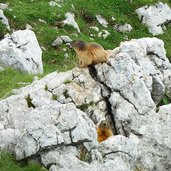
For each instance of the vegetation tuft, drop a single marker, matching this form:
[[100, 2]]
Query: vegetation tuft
[[8, 163]]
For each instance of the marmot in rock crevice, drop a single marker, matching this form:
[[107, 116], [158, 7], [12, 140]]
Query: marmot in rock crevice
[[89, 53], [104, 131]]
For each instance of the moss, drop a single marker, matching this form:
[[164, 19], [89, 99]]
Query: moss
[[84, 155], [55, 97], [166, 100], [46, 87], [85, 106], [65, 93], [29, 102], [67, 81]]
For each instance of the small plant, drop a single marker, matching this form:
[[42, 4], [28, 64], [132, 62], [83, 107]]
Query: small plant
[[46, 87], [85, 106], [65, 93], [67, 81], [55, 97], [29, 102], [166, 100]]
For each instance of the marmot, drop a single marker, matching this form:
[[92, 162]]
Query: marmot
[[89, 53], [104, 131]]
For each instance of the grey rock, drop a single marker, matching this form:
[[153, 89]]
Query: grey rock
[[146, 69], [123, 28], [55, 118], [102, 20], [54, 3], [2, 69], [21, 51], [103, 33], [3, 6], [70, 20], [29, 27], [4, 20], [61, 39], [155, 16]]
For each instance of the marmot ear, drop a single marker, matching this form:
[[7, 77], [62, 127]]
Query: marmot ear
[[81, 45]]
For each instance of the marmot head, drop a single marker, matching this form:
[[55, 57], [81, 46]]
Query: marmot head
[[78, 45], [104, 124]]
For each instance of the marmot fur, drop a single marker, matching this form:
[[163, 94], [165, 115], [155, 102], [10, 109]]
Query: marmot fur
[[104, 131], [89, 53]]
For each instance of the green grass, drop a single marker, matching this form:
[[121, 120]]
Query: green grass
[[25, 11], [8, 163], [10, 79]]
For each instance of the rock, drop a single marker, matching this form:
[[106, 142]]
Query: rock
[[113, 18], [70, 20], [142, 63], [3, 6], [155, 16], [29, 27], [61, 39], [119, 147], [123, 28], [54, 3], [66, 55], [42, 21], [103, 33], [102, 20], [2, 69], [94, 28], [4, 20], [21, 51], [54, 119]]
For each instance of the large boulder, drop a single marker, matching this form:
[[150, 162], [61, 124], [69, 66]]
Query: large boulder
[[155, 17], [54, 119], [22, 52]]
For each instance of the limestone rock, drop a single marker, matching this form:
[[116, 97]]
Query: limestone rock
[[1, 69], [61, 39], [123, 28], [70, 20], [3, 6], [54, 119], [137, 71], [21, 51], [4, 20], [155, 16], [102, 20]]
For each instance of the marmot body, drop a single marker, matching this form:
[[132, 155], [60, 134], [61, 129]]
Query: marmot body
[[104, 131], [89, 53]]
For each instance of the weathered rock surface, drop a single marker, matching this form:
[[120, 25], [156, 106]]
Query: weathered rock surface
[[4, 20], [155, 16], [60, 40], [3, 6], [54, 119], [70, 20], [123, 28], [22, 52], [102, 20]]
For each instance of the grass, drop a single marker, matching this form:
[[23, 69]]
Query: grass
[[26, 11], [10, 79], [8, 163]]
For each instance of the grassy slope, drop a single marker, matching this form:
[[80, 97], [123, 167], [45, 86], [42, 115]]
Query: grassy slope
[[7, 163], [29, 12]]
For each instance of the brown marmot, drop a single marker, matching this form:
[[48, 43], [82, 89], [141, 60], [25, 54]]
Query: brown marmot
[[89, 53], [104, 131]]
